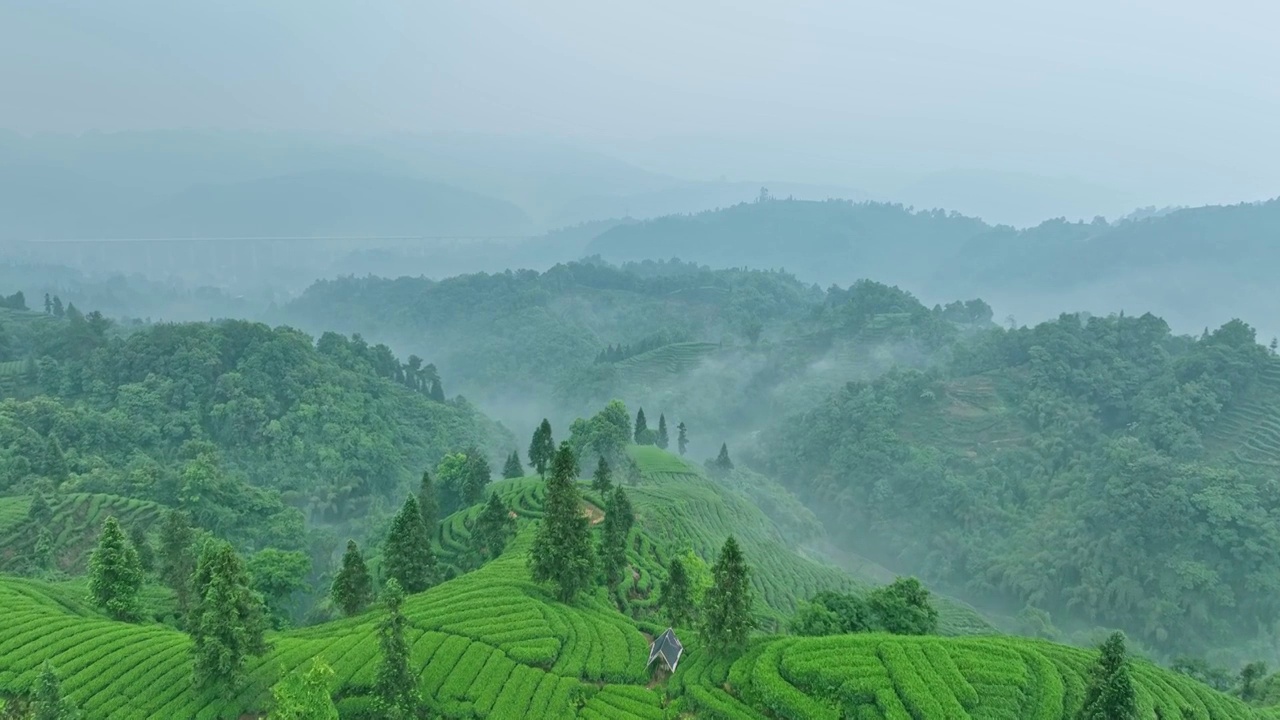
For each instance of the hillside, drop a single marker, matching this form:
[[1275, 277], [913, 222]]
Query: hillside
[[509, 340], [834, 241], [1081, 467], [491, 643]]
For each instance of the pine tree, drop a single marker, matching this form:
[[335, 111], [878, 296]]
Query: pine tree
[[513, 468], [726, 609], [437, 391], [722, 463], [115, 575], [146, 553], [407, 554], [43, 560], [542, 448], [642, 429], [177, 561], [58, 310], [618, 519], [676, 596], [662, 440], [562, 551], [40, 513], [395, 688], [428, 505], [227, 619], [306, 696], [602, 480], [493, 528], [55, 463], [682, 441], [47, 702], [1111, 694], [478, 474], [352, 589]]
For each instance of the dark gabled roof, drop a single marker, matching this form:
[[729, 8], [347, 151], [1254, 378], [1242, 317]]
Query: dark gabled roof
[[668, 647]]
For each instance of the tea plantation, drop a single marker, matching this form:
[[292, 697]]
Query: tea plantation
[[493, 644]]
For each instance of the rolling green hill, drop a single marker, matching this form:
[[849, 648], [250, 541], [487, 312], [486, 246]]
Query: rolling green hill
[[493, 644]]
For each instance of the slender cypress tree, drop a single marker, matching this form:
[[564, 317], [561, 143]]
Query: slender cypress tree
[[642, 428], [618, 519], [177, 561], [352, 588], [39, 512], [47, 702], [395, 689], [115, 575], [662, 440], [43, 560], [48, 305], [726, 609], [493, 528], [542, 448], [602, 480], [428, 505], [513, 468], [407, 554], [682, 441], [227, 621], [437, 392], [1111, 694], [676, 597], [562, 552]]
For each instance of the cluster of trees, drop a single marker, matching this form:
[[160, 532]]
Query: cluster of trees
[[16, 301], [1100, 502], [354, 351], [902, 608], [53, 306], [222, 611]]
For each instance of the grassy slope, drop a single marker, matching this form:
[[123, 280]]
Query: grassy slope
[[493, 644]]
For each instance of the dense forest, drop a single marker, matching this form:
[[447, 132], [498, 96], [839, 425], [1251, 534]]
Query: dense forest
[[1084, 467]]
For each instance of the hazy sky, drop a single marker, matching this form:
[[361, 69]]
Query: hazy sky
[[1170, 100]]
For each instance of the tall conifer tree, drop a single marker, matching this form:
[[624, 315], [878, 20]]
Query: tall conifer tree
[[407, 554], [642, 428], [676, 597], [726, 609], [602, 480], [352, 587], [662, 440], [1111, 695], [395, 688], [562, 552], [115, 575], [177, 561], [542, 448], [493, 528], [682, 440], [513, 468], [227, 620]]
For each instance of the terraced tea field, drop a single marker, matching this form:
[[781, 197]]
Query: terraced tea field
[[906, 678], [1249, 429], [77, 518], [494, 644], [12, 377], [665, 361]]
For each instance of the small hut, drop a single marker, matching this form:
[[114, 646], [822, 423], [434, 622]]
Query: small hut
[[667, 646]]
